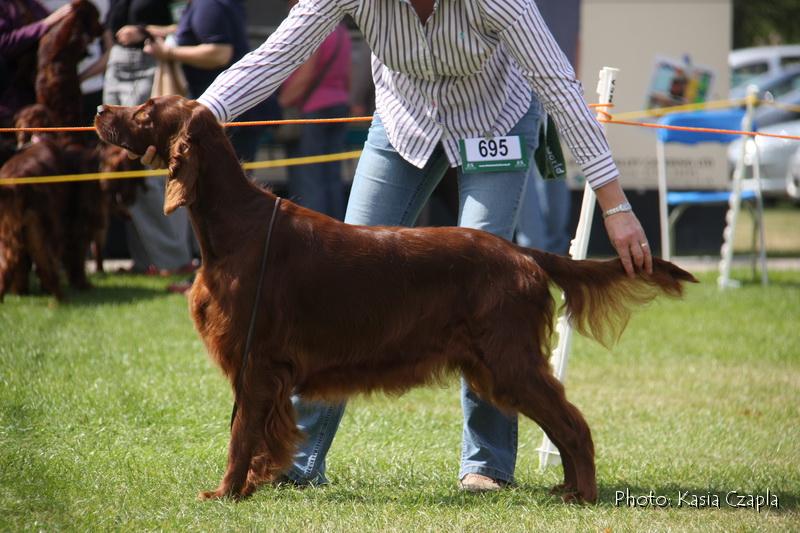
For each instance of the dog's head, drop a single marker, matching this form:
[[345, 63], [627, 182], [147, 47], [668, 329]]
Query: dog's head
[[89, 17], [67, 41], [175, 126], [32, 116]]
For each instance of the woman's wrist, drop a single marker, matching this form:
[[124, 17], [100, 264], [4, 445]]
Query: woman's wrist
[[610, 196]]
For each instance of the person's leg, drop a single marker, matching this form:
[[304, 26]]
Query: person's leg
[[305, 182], [387, 190], [559, 204], [156, 239], [532, 226], [491, 202], [319, 186], [335, 143], [153, 239]]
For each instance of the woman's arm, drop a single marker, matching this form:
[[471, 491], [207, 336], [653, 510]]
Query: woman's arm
[[99, 66], [525, 35], [296, 85], [258, 74], [205, 56], [16, 41]]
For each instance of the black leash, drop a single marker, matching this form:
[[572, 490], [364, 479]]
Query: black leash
[[248, 342]]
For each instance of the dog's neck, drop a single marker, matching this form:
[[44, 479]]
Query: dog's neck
[[227, 204]]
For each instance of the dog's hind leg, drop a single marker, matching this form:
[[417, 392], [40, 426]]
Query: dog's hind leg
[[44, 256], [540, 397], [20, 282]]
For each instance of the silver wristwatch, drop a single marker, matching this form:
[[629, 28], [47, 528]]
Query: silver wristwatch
[[621, 208]]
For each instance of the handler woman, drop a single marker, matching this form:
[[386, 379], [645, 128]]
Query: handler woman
[[445, 71]]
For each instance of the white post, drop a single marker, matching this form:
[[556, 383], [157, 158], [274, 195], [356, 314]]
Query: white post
[[548, 453], [724, 280], [663, 208]]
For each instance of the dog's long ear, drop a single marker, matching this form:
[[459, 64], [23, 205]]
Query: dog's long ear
[[184, 164]]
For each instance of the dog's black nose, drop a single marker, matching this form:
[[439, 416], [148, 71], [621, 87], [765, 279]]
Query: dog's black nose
[[101, 109]]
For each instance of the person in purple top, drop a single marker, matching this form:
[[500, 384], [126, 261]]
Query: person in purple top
[[210, 36], [22, 24]]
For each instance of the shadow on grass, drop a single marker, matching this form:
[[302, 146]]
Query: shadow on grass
[[610, 496], [116, 290], [111, 294], [782, 283], [106, 289]]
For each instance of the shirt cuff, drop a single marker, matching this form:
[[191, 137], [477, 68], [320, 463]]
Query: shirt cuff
[[216, 107], [600, 171]]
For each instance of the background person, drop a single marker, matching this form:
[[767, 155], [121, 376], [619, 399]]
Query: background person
[[443, 72], [22, 24], [156, 243], [209, 37], [320, 88]]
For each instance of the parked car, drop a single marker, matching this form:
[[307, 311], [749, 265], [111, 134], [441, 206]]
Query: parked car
[[747, 63], [775, 156], [786, 110], [775, 84], [793, 176]]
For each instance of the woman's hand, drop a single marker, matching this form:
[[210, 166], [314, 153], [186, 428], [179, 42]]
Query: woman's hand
[[130, 35], [149, 158], [157, 48], [628, 238], [624, 230], [56, 16]]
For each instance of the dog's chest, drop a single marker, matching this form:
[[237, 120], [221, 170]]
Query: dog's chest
[[212, 318]]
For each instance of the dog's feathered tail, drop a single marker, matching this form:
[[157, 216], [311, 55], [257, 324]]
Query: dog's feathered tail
[[599, 295]]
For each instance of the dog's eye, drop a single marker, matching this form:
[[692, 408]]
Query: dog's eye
[[141, 116]]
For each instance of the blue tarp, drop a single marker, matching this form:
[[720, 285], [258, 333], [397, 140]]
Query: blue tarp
[[729, 119], [705, 197]]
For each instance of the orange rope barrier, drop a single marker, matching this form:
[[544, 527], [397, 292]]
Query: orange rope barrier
[[74, 129], [609, 119]]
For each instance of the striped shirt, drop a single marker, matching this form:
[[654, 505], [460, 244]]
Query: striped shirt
[[467, 72]]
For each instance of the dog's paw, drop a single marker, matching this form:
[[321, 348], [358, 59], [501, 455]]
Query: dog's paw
[[577, 498], [210, 495], [563, 488], [223, 493]]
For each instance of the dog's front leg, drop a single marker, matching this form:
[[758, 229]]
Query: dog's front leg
[[246, 433]]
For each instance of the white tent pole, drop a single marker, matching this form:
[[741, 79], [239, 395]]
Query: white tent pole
[[548, 453]]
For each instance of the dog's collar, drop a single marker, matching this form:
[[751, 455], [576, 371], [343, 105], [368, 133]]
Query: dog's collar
[[34, 139]]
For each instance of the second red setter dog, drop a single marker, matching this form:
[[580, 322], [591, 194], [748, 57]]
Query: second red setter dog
[[30, 222], [58, 88], [348, 309]]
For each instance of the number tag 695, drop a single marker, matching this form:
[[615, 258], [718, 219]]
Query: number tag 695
[[493, 154]]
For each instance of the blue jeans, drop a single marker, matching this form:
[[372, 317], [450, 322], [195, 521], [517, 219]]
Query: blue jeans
[[319, 187], [387, 190], [544, 217]]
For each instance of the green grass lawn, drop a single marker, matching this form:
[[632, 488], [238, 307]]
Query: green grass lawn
[[113, 418]]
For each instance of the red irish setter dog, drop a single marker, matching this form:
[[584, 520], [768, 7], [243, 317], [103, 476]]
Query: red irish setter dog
[[348, 309], [60, 50], [30, 228], [58, 88]]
